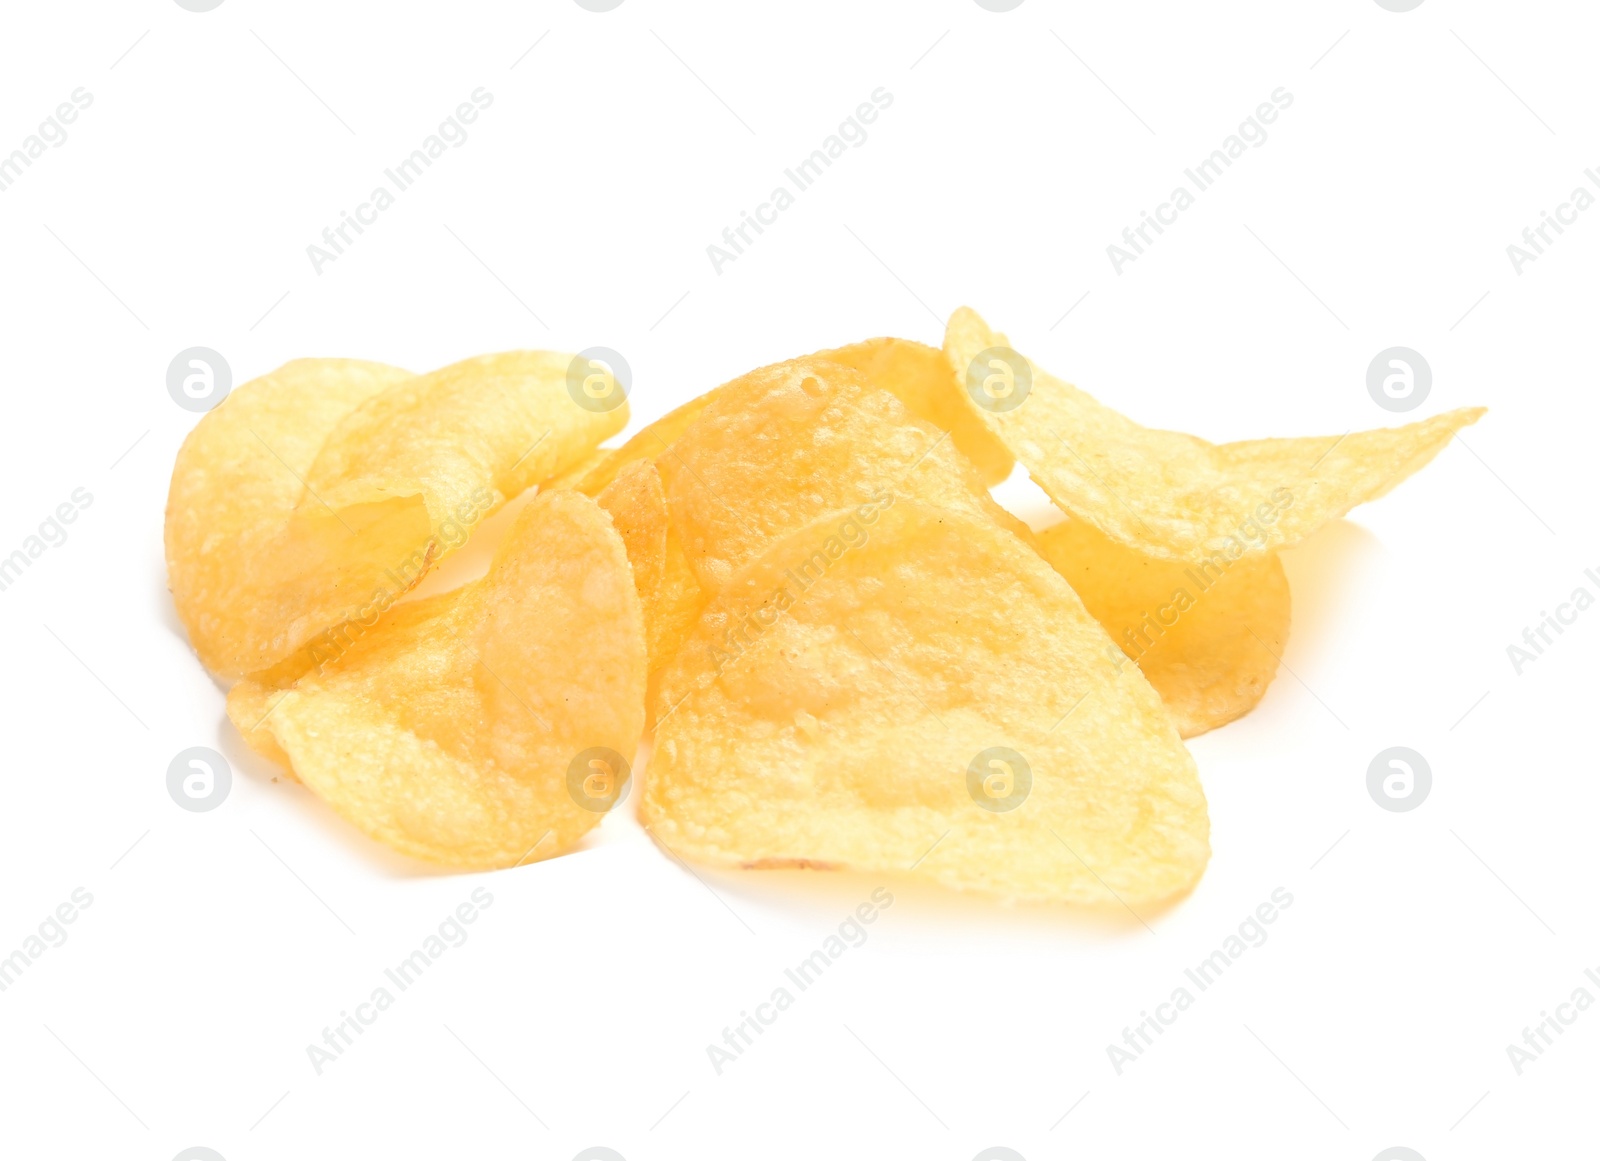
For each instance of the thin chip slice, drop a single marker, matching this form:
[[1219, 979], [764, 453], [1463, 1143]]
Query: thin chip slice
[[580, 471], [920, 377], [237, 480], [784, 443], [668, 591], [933, 701], [1207, 637], [638, 509], [250, 702], [394, 485], [647, 443], [452, 730], [1168, 494]]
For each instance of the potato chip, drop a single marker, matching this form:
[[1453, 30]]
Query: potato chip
[[487, 726], [579, 472], [249, 703], [647, 443], [927, 698], [784, 443], [236, 481], [1168, 494], [1208, 639], [638, 509], [920, 377], [395, 484], [668, 591]]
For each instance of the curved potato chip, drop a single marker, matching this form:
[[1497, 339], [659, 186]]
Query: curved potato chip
[[638, 509], [1208, 640], [249, 703], [647, 443], [237, 480], [785, 443], [920, 377], [579, 472], [396, 484], [668, 591], [442, 732], [917, 374], [937, 703], [1168, 494]]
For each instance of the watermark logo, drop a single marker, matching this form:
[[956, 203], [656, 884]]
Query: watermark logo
[[999, 779], [1249, 934], [199, 779], [1000, 6], [1543, 1035], [999, 1152], [1399, 379], [51, 534], [200, 6], [597, 779], [1538, 638], [1400, 6], [450, 933], [451, 134], [1251, 134], [1536, 238], [1399, 779], [1399, 1152], [199, 1152], [999, 379], [51, 933], [850, 134], [51, 134], [851, 933], [599, 1152], [599, 379], [600, 6], [198, 379]]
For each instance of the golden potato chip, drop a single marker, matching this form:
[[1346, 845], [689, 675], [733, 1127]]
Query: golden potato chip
[[638, 509], [923, 697], [487, 726], [238, 478], [395, 485], [784, 443], [647, 443], [249, 703], [1208, 639], [579, 472], [920, 377], [917, 374], [1168, 494], [668, 591]]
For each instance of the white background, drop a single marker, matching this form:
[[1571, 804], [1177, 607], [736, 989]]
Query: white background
[[219, 945]]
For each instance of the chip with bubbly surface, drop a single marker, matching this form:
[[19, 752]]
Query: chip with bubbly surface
[[1208, 637], [1168, 494], [787, 442], [288, 527], [920, 377], [466, 728], [931, 700]]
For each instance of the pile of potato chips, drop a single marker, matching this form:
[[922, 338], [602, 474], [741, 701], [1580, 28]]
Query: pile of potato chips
[[849, 654]]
